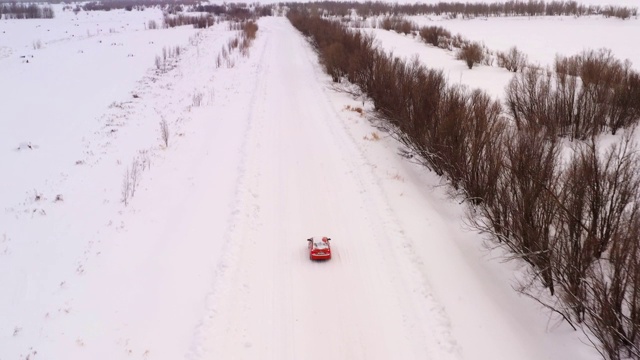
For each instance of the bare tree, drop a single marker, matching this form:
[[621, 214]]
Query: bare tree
[[513, 60], [134, 175], [471, 53], [434, 34], [484, 135], [126, 188], [164, 132]]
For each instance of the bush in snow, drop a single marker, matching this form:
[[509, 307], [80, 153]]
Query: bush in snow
[[164, 132], [434, 35], [620, 12], [196, 98], [131, 179], [585, 95], [249, 29], [457, 9], [397, 24], [125, 190], [198, 22], [512, 60], [471, 53], [168, 59], [17, 10]]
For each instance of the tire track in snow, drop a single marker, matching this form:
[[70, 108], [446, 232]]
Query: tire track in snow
[[223, 277], [430, 316]]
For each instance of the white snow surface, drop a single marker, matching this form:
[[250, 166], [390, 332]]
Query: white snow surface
[[209, 258], [540, 38]]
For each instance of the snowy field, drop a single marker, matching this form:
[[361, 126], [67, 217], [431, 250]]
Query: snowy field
[[208, 259], [540, 38]]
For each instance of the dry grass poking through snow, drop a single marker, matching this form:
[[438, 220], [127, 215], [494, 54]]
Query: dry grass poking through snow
[[374, 136], [355, 109], [242, 42]]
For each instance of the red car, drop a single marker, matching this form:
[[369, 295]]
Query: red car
[[319, 248]]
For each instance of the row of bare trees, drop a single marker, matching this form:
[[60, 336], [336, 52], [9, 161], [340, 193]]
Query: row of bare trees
[[584, 95], [573, 216], [25, 11], [471, 9], [199, 22], [234, 11], [237, 11], [577, 223], [108, 5]]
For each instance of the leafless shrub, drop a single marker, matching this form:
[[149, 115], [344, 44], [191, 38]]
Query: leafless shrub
[[397, 24], [233, 44], [481, 162], [586, 94], [198, 22], [134, 175], [145, 160], [125, 189], [37, 45], [512, 60], [250, 29], [357, 109], [131, 177], [434, 35], [153, 25], [520, 206], [471, 53], [335, 60], [164, 132], [468, 10], [458, 42], [244, 47], [168, 59], [487, 57], [527, 97], [235, 25], [374, 136], [196, 98], [620, 12], [599, 229], [17, 10], [212, 96]]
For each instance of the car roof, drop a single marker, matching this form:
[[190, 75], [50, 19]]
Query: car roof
[[320, 242]]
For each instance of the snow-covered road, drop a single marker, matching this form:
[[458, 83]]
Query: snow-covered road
[[303, 176]]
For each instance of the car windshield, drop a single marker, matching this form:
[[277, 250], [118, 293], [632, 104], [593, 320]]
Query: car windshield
[[320, 245]]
